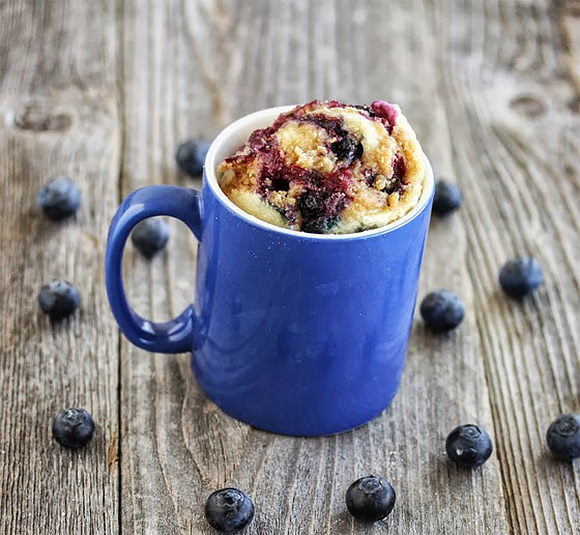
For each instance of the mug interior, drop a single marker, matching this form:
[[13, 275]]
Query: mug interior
[[233, 137]]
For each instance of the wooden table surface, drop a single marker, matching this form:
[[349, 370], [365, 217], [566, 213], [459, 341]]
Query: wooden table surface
[[103, 91]]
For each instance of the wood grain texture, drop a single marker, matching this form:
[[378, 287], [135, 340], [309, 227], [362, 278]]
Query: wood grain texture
[[244, 56], [519, 188], [58, 116], [492, 89]]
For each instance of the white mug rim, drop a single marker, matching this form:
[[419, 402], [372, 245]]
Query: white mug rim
[[262, 119]]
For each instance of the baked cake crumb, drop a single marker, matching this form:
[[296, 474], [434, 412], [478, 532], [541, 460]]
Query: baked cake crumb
[[328, 168]]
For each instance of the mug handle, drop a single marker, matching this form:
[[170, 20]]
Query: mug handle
[[173, 336]]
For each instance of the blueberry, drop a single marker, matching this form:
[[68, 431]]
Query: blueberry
[[520, 276], [280, 184], [563, 437], [442, 310], [59, 198], [446, 199], [370, 498], [229, 510], [319, 210], [366, 109], [311, 204], [190, 156], [347, 149], [150, 236], [312, 207], [58, 299], [468, 446], [73, 428]]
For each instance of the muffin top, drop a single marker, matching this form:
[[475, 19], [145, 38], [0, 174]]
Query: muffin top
[[328, 168]]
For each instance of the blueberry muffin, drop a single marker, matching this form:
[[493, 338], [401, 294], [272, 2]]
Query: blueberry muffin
[[328, 168]]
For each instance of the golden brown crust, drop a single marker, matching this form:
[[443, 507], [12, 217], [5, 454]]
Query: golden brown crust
[[328, 168]]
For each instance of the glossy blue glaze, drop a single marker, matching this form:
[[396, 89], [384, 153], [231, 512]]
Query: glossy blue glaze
[[301, 336], [290, 332], [174, 336]]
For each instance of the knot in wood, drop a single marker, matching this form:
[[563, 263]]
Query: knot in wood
[[528, 106], [33, 116]]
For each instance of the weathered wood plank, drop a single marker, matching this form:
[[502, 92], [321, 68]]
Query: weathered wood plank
[[58, 116], [187, 69], [506, 81], [225, 59]]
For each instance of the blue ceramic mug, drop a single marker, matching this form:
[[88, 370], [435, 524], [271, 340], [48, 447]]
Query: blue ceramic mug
[[291, 332]]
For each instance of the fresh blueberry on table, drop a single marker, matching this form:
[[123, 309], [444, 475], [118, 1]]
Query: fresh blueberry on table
[[58, 299], [446, 199], [73, 428], [190, 156], [442, 310], [520, 276], [468, 446], [229, 510], [150, 236], [59, 198], [370, 498], [563, 437]]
